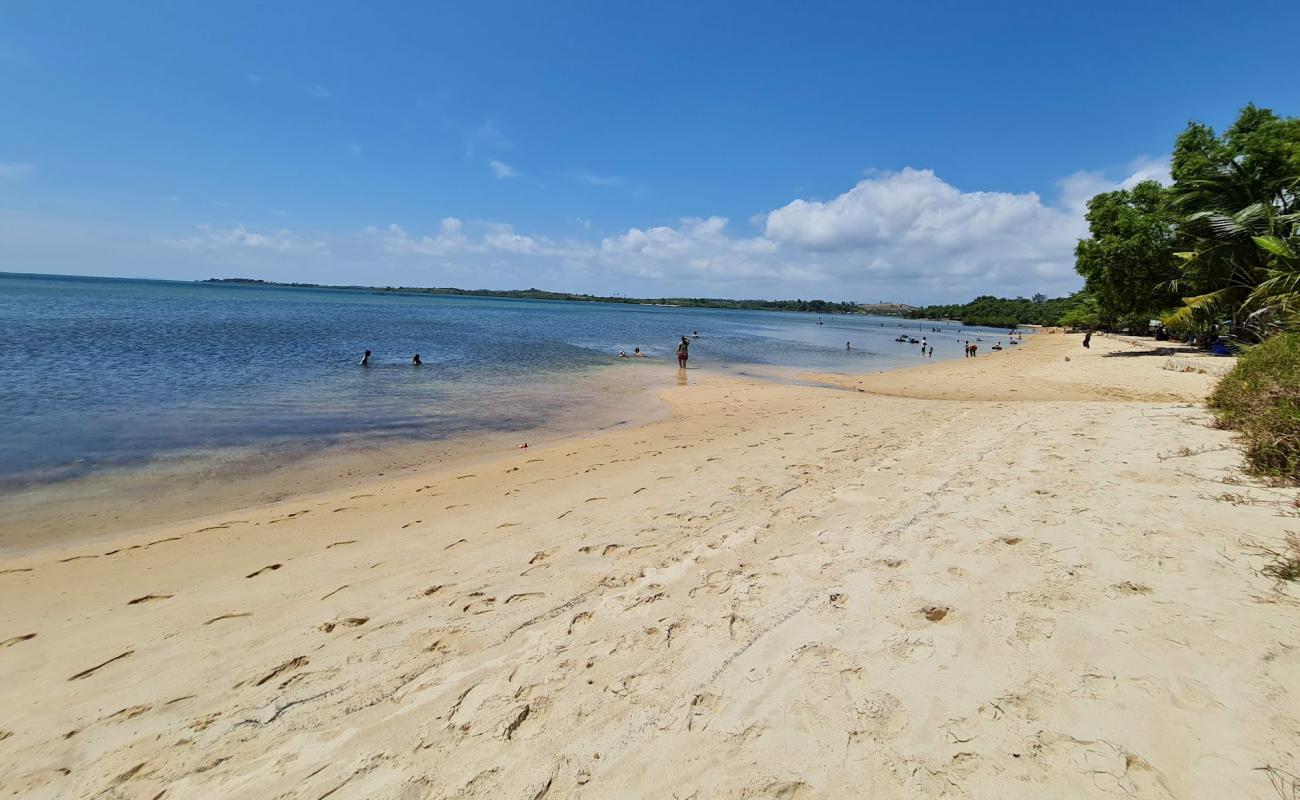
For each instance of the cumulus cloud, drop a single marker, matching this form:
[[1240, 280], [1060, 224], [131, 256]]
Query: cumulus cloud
[[695, 249], [501, 169], [908, 236], [910, 208], [1079, 187], [449, 240]]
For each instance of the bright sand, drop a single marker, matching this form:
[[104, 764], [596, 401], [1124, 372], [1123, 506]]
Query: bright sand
[[1017, 576]]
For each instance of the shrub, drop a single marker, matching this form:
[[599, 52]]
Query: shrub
[[1261, 398]]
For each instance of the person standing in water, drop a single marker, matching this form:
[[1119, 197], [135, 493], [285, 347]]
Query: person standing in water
[[683, 352], [848, 345], [365, 359], [415, 361]]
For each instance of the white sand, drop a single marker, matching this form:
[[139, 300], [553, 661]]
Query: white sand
[[1039, 585]]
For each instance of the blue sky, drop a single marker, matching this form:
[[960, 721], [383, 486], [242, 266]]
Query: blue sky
[[910, 152]]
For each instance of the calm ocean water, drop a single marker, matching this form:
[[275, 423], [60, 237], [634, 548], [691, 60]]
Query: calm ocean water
[[106, 372]]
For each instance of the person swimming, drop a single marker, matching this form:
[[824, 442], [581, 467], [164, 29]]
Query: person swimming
[[415, 361], [365, 359], [638, 354], [848, 345], [622, 354]]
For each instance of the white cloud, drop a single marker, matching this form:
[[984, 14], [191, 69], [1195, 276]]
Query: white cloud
[[908, 236], [507, 241], [696, 249], [1078, 188], [13, 171], [450, 240], [501, 169], [319, 92], [591, 178], [486, 136], [1145, 168], [240, 238]]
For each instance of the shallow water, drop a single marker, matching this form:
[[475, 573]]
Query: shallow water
[[104, 373]]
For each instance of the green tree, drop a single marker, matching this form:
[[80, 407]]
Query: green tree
[[1237, 202], [1128, 262]]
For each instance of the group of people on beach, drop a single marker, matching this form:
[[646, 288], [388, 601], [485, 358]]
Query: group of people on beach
[[683, 351]]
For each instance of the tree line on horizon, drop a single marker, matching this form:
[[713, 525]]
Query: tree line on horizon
[[808, 306]]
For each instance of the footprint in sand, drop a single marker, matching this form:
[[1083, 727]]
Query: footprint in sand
[[86, 673], [268, 568], [935, 613], [523, 596], [347, 622], [479, 606], [13, 640], [228, 616], [580, 617], [148, 599], [127, 713], [702, 710], [1129, 588], [292, 664]]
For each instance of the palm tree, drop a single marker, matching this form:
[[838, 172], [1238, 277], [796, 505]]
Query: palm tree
[[1240, 226], [1277, 298]]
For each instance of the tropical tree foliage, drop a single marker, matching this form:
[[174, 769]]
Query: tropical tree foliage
[[1221, 243], [1002, 312], [1128, 262]]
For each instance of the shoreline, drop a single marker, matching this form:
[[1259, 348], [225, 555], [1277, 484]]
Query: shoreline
[[176, 488], [777, 590], [183, 487]]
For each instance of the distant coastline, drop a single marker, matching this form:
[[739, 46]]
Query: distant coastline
[[806, 306]]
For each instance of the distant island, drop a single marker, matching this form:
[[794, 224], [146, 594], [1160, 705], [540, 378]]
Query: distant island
[[808, 306]]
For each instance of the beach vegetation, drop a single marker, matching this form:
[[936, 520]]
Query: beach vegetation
[[1217, 251], [1002, 312], [1128, 263], [1284, 563], [1260, 398]]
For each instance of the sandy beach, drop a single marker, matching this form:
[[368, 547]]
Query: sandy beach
[[1017, 576]]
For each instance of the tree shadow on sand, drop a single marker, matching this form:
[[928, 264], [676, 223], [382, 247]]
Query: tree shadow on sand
[[1158, 351]]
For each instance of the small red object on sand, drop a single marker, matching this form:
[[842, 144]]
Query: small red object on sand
[[523, 446]]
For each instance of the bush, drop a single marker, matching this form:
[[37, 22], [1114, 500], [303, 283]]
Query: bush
[[1261, 398]]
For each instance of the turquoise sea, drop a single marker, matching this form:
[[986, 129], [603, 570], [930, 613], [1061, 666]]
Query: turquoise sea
[[102, 373]]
